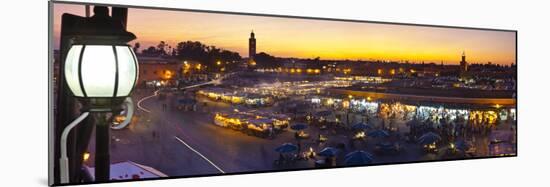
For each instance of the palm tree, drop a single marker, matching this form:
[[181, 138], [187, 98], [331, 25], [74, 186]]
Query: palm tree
[[137, 45], [161, 48]]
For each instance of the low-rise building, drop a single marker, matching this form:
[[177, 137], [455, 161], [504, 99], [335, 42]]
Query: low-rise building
[[158, 71]]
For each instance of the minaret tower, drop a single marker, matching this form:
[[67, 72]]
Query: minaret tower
[[251, 47], [463, 66], [463, 63]]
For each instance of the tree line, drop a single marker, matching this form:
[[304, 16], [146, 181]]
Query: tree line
[[190, 50]]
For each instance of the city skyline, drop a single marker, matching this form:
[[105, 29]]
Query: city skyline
[[306, 38]]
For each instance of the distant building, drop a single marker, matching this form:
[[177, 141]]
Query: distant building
[[158, 71], [252, 48], [296, 65], [463, 65]]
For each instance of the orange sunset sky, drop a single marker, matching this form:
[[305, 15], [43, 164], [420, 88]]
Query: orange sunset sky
[[306, 38]]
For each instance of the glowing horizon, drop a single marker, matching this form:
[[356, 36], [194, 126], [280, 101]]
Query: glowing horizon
[[307, 38]]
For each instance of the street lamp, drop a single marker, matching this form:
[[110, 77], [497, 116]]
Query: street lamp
[[100, 69], [101, 74]]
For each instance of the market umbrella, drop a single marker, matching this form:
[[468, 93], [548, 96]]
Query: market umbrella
[[361, 126], [429, 138], [378, 133], [461, 145], [286, 148], [298, 126], [328, 152], [358, 158]]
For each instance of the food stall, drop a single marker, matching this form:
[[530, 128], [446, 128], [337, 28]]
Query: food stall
[[280, 121], [256, 100], [220, 119], [233, 121], [260, 127], [237, 98]]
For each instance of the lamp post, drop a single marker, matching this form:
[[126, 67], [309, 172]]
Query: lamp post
[[350, 97], [101, 76], [100, 70]]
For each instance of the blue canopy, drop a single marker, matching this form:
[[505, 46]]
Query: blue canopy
[[429, 138], [461, 145], [378, 133], [361, 126], [298, 126], [358, 158], [328, 152], [286, 148]]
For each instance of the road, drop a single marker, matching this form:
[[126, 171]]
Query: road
[[187, 143]]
